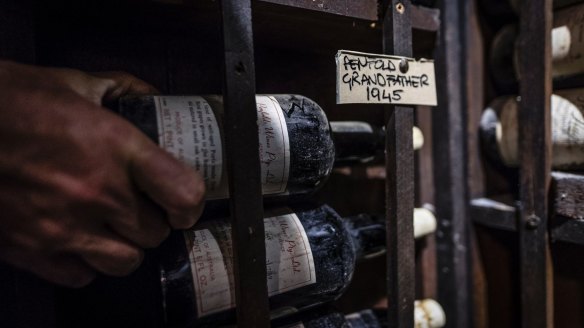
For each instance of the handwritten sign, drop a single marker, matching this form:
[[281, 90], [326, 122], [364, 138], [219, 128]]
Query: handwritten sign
[[380, 79]]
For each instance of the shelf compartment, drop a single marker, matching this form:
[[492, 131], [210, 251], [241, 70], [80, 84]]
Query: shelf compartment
[[567, 196], [493, 214]]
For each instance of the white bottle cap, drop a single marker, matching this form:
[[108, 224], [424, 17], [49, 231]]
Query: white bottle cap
[[418, 137], [429, 314], [424, 222]]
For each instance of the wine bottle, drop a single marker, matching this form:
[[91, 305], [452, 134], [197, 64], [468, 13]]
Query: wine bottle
[[567, 49], [427, 314], [311, 255], [358, 142], [503, 59], [296, 144], [499, 130], [314, 318]]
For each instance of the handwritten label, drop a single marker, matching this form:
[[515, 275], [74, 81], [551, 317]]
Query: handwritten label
[[289, 261], [274, 145], [379, 79], [188, 128]]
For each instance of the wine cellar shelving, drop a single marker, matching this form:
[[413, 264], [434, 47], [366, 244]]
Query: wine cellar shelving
[[174, 45], [526, 220], [502, 241]]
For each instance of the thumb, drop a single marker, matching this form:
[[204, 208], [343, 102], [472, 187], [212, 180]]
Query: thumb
[[173, 185], [118, 84]]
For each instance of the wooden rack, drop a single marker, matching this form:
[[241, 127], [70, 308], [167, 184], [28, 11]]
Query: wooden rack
[[383, 26], [545, 210]]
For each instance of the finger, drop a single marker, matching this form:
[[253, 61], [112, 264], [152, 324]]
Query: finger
[[179, 189], [63, 269], [148, 226], [121, 83], [110, 254]]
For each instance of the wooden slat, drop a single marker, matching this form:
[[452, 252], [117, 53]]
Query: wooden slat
[[427, 282], [567, 230], [493, 214], [243, 166], [362, 9], [567, 207], [425, 19], [534, 145], [397, 40], [568, 195], [450, 166]]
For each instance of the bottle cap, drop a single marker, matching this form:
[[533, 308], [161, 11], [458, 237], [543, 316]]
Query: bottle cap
[[424, 222], [429, 311]]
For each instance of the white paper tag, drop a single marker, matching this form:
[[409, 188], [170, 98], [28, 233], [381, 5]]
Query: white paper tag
[[378, 79], [289, 261]]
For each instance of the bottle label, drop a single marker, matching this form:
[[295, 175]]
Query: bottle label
[[188, 128], [289, 261], [567, 128], [274, 145], [568, 42]]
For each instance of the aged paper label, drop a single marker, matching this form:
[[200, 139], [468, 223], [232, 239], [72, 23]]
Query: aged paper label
[[567, 121], [274, 145], [379, 79], [568, 42], [188, 128], [289, 261]]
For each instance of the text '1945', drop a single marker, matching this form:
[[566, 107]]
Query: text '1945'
[[379, 79]]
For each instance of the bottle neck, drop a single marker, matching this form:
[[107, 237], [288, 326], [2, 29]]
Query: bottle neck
[[356, 142], [368, 231], [359, 142], [368, 234]]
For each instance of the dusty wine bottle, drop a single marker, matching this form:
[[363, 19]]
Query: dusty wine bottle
[[310, 258], [314, 318], [427, 314], [358, 142], [499, 130], [567, 49], [296, 142]]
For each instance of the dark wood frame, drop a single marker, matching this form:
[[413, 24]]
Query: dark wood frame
[[528, 217], [399, 187], [241, 141]]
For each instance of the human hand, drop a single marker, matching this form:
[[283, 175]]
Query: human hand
[[82, 191]]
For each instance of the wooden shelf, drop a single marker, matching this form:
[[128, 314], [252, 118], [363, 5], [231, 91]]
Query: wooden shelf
[[362, 9], [567, 195], [567, 210], [493, 214], [567, 230]]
